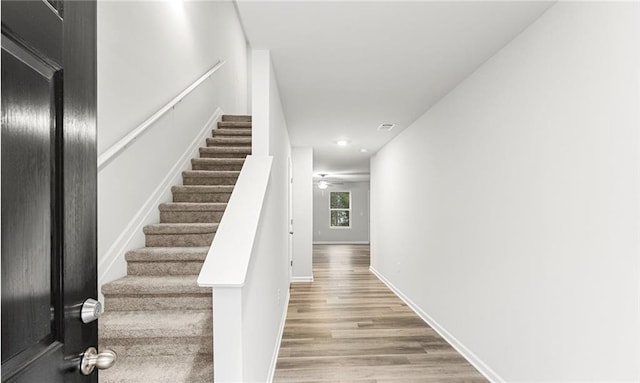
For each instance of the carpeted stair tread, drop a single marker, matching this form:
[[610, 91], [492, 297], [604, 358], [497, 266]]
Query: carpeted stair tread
[[154, 285], [234, 117], [225, 151], [193, 206], [233, 132], [155, 324], [232, 141], [167, 254], [234, 125], [160, 369], [180, 228]]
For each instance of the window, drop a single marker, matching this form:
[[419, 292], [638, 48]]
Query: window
[[340, 208]]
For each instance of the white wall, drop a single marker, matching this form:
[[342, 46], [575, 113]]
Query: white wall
[[508, 213], [302, 214], [359, 230], [148, 52], [265, 294]]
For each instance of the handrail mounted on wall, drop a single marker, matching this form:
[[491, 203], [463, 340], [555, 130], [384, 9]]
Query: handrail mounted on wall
[[117, 148]]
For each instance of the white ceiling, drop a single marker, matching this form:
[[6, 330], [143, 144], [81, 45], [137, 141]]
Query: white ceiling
[[343, 68]]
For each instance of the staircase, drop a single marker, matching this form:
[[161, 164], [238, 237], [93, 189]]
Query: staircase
[[157, 319]]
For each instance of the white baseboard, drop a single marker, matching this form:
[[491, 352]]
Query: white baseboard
[[472, 358], [127, 239], [276, 351], [340, 242], [302, 279]]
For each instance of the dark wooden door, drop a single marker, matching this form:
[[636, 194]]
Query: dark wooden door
[[48, 148]]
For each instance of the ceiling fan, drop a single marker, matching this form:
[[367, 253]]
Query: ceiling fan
[[323, 183]]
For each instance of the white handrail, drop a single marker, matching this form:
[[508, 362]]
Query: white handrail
[[117, 148]]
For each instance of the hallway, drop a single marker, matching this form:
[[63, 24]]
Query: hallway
[[347, 326]]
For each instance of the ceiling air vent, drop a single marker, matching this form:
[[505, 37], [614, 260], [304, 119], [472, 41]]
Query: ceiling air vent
[[386, 127]]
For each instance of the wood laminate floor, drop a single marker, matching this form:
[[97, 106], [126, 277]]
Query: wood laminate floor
[[347, 326]]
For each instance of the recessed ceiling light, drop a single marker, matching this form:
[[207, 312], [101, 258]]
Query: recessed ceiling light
[[386, 127], [363, 150], [342, 142]]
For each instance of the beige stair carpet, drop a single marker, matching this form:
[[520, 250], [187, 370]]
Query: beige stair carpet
[[157, 318]]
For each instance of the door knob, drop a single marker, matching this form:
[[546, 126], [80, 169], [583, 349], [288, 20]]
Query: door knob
[[92, 360]]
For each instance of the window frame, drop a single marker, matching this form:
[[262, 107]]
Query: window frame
[[340, 209]]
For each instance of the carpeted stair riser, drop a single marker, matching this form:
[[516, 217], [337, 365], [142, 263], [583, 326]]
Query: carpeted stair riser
[[173, 292], [208, 177], [201, 193], [232, 118], [167, 254], [229, 141], [212, 166], [164, 261], [180, 228], [178, 240], [234, 125], [224, 164], [191, 212], [179, 235], [132, 348], [161, 302], [160, 369], [164, 268], [168, 332], [201, 197], [148, 286], [190, 216], [225, 151], [231, 132]]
